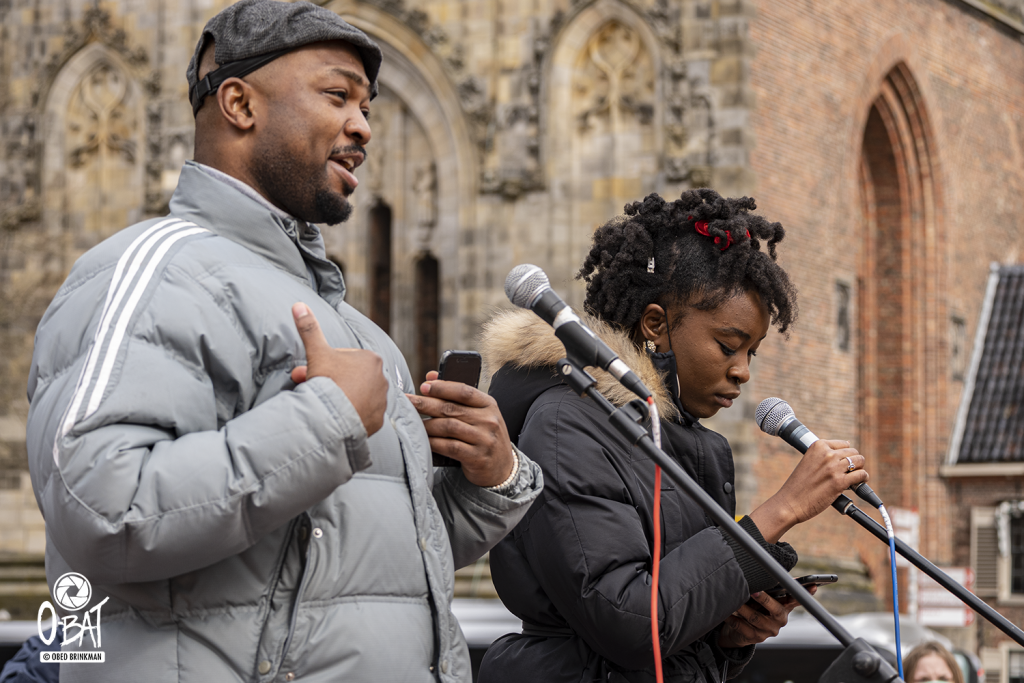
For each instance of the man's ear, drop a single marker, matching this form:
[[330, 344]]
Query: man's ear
[[235, 99], [654, 326]]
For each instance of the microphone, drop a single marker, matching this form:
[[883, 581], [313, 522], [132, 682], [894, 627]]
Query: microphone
[[527, 287], [774, 416]]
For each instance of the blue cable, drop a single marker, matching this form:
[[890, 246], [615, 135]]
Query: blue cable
[[895, 588], [896, 606]]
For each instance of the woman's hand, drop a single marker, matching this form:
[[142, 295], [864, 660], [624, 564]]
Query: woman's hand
[[749, 625], [820, 477]]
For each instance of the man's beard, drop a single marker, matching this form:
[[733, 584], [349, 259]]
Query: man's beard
[[331, 207], [300, 190]]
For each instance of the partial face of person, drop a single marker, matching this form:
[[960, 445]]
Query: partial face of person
[[310, 137], [931, 668], [714, 349]]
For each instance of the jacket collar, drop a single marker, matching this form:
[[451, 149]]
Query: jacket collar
[[292, 245], [245, 189], [520, 339], [665, 363]]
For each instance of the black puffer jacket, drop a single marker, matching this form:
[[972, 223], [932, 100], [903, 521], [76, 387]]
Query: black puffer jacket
[[576, 569]]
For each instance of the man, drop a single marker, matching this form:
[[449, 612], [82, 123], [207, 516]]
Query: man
[[220, 443]]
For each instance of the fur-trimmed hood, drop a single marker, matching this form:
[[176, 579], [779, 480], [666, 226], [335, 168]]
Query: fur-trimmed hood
[[521, 339]]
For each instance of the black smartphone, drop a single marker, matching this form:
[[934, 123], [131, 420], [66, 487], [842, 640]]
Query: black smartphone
[[780, 592], [460, 366], [457, 366]]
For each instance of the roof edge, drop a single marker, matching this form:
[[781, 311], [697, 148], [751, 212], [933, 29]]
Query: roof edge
[[982, 469], [997, 13], [967, 393]]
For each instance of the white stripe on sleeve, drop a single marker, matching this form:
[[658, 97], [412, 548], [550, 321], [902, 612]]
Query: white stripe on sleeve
[[127, 267], [94, 350], [126, 313]]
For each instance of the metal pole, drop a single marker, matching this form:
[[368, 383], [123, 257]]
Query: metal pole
[[846, 507]]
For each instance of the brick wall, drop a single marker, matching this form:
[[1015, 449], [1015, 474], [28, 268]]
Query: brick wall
[[817, 70]]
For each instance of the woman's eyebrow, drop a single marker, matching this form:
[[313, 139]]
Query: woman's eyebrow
[[734, 331]]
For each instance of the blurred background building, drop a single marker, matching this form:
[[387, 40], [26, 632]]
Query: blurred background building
[[886, 136]]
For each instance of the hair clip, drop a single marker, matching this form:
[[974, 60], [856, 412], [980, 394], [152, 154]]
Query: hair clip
[[650, 265], [702, 228]]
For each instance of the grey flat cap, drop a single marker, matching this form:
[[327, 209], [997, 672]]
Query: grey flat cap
[[252, 33]]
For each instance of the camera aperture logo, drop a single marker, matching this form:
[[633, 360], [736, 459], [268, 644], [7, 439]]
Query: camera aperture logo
[[72, 592]]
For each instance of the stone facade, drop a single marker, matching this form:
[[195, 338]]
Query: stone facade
[[886, 137]]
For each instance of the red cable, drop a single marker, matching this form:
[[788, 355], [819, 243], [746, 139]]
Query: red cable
[[656, 564], [654, 575]]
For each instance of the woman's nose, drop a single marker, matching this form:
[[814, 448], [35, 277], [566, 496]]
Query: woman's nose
[[740, 371]]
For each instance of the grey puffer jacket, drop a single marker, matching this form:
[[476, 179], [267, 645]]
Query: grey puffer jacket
[[243, 528]]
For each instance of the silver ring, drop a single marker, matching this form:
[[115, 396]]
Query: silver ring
[[852, 467]]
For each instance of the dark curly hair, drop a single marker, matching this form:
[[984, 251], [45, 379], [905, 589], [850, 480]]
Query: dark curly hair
[[689, 267]]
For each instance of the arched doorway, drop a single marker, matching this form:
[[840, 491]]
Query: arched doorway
[[417, 194], [901, 336], [379, 260], [428, 315]]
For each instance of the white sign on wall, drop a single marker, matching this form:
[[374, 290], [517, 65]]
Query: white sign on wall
[[907, 526], [939, 607]]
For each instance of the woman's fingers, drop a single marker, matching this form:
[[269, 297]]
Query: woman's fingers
[[827, 469], [775, 609]]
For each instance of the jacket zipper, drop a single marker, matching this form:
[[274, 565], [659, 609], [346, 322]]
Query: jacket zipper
[[293, 526], [435, 617], [298, 599]]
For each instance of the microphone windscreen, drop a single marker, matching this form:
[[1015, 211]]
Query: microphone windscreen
[[771, 413], [524, 283]]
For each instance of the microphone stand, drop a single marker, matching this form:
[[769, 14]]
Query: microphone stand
[[846, 507], [859, 662]]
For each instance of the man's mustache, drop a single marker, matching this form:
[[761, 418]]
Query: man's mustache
[[349, 149]]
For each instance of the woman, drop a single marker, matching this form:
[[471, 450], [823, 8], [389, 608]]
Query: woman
[[931, 663], [684, 294]]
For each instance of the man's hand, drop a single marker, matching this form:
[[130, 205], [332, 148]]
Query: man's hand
[[357, 372], [467, 426], [749, 626]]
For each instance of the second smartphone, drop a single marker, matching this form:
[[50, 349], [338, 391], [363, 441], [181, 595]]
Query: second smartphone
[[457, 366]]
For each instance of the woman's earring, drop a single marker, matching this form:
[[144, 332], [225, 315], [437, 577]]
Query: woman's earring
[[649, 345]]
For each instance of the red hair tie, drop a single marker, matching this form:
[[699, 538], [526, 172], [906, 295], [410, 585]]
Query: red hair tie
[[702, 228]]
